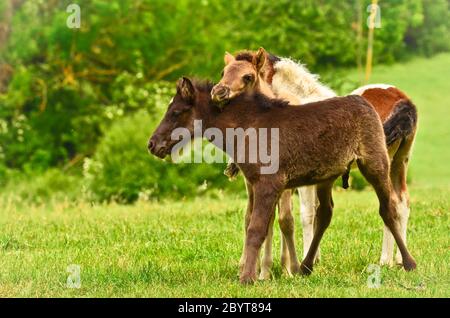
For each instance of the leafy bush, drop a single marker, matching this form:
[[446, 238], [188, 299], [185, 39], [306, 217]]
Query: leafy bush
[[123, 170], [40, 187]]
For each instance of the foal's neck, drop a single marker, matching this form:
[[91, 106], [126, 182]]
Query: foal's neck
[[264, 88]]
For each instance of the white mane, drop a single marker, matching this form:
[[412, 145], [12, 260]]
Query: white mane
[[293, 78]]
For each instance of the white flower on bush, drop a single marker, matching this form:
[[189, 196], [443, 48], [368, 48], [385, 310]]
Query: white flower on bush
[[203, 186], [145, 195], [91, 168]]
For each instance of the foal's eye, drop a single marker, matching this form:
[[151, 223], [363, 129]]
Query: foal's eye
[[176, 113], [248, 78]]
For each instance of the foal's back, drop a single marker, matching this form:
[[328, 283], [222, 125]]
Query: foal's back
[[318, 141]]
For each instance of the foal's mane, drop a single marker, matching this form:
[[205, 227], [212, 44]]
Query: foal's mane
[[260, 100], [245, 56], [203, 86], [265, 102]]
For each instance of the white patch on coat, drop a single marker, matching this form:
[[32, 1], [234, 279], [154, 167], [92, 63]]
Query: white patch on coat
[[403, 211], [292, 78], [387, 250], [362, 89], [308, 205], [267, 259]]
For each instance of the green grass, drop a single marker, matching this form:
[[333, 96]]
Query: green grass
[[191, 248]]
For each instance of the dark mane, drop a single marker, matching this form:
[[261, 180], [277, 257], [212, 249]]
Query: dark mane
[[245, 56], [204, 86], [260, 100], [248, 56], [273, 58], [265, 102]]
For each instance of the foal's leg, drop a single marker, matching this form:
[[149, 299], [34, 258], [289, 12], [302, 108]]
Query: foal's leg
[[248, 215], [375, 170], [387, 249], [323, 219], [286, 221], [265, 199], [267, 259], [267, 256], [399, 170], [308, 205], [284, 247]]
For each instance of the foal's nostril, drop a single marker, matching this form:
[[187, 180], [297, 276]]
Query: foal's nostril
[[151, 145], [220, 92]]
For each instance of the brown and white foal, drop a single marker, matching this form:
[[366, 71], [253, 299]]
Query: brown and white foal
[[286, 79], [317, 144]]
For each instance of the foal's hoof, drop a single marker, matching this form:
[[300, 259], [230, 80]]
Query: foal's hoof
[[264, 275], [295, 269], [398, 260], [317, 257], [387, 263], [409, 265], [247, 279], [306, 269]]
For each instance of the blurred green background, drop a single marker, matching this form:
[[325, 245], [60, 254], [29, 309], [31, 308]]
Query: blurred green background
[[77, 105]]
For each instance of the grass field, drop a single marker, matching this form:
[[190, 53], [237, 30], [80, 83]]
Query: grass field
[[191, 248]]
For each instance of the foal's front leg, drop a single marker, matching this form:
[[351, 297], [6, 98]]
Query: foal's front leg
[[323, 219], [248, 214], [267, 257], [265, 198]]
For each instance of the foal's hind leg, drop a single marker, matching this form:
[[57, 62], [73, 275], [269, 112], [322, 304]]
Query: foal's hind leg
[[323, 219], [399, 170], [375, 170], [308, 205], [248, 215], [286, 221]]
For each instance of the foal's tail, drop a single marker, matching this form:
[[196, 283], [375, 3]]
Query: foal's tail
[[402, 122]]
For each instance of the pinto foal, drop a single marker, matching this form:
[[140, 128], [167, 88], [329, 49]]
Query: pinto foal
[[317, 143]]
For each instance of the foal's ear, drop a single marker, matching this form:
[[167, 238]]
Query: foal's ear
[[228, 58], [186, 89], [259, 59]]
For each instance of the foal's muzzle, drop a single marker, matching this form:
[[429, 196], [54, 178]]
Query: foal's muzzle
[[156, 147], [220, 93]]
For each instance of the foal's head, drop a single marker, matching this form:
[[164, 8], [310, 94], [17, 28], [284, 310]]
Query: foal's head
[[241, 74], [181, 113]]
